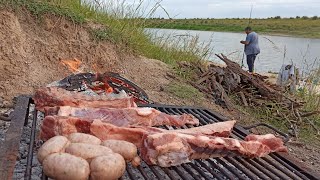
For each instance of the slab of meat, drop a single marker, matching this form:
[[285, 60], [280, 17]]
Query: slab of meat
[[221, 129], [53, 126], [53, 96], [106, 131], [125, 116], [60, 125], [171, 149]]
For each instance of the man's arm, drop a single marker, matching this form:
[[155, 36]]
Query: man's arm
[[247, 41]]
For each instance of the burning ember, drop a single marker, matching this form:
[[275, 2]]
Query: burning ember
[[97, 83], [72, 64], [92, 83]]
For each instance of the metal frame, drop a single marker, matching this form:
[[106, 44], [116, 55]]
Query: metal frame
[[274, 166], [10, 147]]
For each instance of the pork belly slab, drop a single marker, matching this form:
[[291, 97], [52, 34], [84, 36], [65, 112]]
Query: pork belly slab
[[64, 125], [125, 116], [53, 96], [171, 149]]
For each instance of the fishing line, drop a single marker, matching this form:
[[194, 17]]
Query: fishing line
[[242, 64]]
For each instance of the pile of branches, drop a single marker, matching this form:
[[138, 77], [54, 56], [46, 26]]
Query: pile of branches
[[250, 90]]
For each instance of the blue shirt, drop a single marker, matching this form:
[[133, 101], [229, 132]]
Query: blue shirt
[[253, 46]]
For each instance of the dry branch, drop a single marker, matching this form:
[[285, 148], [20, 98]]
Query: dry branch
[[254, 90]]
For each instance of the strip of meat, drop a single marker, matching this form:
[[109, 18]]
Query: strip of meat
[[53, 126], [171, 149], [59, 125], [106, 131], [125, 116], [53, 96], [275, 144], [221, 129]]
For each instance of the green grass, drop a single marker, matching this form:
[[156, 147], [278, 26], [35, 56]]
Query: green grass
[[292, 27], [124, 26], [184, 91]]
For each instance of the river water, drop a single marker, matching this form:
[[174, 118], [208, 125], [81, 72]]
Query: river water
[[275, 50]]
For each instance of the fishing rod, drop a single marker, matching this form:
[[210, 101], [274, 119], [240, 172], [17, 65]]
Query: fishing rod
[[242, 64]]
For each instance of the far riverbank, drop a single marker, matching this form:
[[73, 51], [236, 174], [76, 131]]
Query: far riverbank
[[301, 27]]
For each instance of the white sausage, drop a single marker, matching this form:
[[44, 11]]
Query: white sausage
[[53, 145], [63, 166], [87, 151], [109, 167], [126, 149], [83, 138]]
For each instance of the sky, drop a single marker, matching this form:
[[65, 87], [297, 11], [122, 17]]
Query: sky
[[238, 8]]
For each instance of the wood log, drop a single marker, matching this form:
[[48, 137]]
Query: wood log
[[262, 87], [243, 98]]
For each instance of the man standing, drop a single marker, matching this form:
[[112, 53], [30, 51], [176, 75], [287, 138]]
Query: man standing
[[251, 47]]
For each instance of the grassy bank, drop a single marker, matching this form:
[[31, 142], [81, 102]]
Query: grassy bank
[[123, 25], [300, 27]]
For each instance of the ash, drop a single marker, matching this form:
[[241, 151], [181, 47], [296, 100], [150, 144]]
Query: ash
[[4, 125], [21, 164]]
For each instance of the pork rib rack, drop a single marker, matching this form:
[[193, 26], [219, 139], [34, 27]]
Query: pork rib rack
[[53, 96], [125, 116]]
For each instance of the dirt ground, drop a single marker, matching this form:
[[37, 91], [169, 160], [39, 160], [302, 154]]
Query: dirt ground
[[31, 50]]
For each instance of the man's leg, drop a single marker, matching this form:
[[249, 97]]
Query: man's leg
[[253, 60], [250, 62]]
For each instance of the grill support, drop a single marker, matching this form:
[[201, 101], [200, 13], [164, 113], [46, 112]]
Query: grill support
[[31, 145], [274, 166], [10, 146]]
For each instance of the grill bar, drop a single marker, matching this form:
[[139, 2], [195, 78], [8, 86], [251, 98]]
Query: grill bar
[[157, 173], [31, 145], [181, 169], [274, 166], [240, 167], [234, 173], [289, 167], [252, 168], [263, 169], [203, 114], [272, 169], [144, 174], [9, 148], [280, 168]]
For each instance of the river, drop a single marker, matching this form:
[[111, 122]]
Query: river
[[275, 50]]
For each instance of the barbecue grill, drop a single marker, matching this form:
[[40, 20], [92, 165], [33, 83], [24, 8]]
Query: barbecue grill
[[273, 166]]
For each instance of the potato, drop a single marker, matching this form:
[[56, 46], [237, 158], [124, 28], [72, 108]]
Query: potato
[[84, 138], [63, 166], [87, 151], [53, 145], [109, 167], [126, 149]]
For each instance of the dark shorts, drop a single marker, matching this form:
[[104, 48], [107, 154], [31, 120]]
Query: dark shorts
[[250, 61]]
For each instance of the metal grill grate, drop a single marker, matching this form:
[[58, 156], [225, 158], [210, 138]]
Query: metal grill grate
[[274, 166]]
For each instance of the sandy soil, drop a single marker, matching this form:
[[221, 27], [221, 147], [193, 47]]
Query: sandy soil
[[31, 50]]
